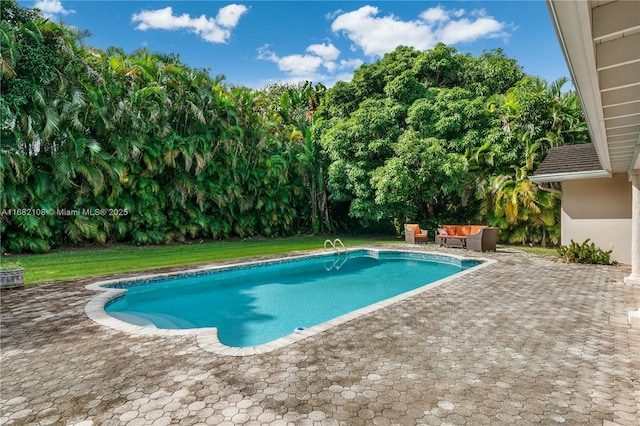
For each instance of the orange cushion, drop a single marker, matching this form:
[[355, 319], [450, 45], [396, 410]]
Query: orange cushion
[[462, 230], [475, 229], [413, 227]]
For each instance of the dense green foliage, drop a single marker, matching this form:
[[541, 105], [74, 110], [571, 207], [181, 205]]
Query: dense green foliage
[[443, 137], [168, 152], [105, 146], [584, 253]]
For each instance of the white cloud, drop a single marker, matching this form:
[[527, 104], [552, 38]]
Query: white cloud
[[229, 15], [301, 67], [330, 66], [377, 35], [266, 54], [459, 12], [333, 14], [374, 34], [350, 63], [214, 30], [435, 14], [465, 30], [326, 51], [344, 64], [52, 8], [299, 64], [308, 65]]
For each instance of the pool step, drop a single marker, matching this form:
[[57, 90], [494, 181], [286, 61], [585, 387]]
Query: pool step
[[152, 320]]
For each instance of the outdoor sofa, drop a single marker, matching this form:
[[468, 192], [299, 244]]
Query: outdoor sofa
[[471, 237]]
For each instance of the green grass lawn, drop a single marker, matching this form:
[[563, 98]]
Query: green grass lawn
[[540, 251], [82, 263], [95, 262]]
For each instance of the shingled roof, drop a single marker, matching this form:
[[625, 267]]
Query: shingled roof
[[570, 162]]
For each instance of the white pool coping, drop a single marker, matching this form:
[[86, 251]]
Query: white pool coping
[[207, 338]]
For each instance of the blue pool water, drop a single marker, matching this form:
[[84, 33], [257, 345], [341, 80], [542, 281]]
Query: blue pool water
[[258, 304]]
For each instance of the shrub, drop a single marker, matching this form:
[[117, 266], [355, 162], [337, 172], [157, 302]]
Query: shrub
[[585, 253]]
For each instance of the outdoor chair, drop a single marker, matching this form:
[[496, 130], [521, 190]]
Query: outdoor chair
[[413, 234], [484, 240]]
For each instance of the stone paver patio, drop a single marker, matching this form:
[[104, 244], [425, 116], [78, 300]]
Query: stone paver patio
[[526, 340]]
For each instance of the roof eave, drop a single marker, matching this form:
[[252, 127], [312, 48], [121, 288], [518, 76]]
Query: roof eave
[[572, 22], [560, 177]]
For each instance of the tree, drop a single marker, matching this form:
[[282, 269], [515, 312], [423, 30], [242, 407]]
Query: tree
[[296, 108], [356, 148], [417, 178], [534, 116]]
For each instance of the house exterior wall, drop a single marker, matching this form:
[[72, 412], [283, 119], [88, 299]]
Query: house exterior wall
[[599, 209]]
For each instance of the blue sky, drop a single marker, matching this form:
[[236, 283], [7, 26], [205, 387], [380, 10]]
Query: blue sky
[[254, 43]]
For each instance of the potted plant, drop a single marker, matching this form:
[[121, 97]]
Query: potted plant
[[11, 275]]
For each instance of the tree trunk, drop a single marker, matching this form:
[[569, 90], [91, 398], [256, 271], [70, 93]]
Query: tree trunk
[[431, 210], [314, 209]]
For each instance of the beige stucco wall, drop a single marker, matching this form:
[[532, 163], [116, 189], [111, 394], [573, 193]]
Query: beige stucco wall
[[599, 209]]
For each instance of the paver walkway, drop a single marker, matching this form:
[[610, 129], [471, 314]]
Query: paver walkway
[[524, 341]]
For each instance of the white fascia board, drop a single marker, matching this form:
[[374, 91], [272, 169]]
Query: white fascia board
[[572, 22], [560, 177]]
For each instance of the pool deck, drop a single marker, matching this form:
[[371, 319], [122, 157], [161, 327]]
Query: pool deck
[[526, 340]]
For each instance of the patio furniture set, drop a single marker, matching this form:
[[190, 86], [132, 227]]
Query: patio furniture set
[[470, 237]]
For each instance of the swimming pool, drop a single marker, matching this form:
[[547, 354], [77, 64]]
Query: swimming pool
[[257, 304]]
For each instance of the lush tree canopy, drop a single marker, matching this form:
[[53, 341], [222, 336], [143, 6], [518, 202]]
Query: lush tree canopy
[[439, 137], [105, 146]]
